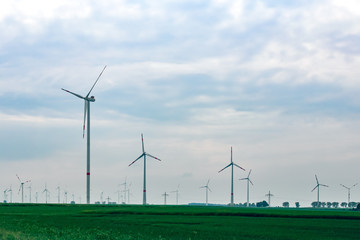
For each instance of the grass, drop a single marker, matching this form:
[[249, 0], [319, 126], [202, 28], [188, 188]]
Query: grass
[[40, 221]]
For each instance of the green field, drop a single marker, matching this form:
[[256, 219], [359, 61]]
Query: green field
[[40, 221]]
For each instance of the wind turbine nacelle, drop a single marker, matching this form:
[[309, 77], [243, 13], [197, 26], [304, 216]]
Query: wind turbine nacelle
[[91, 99]]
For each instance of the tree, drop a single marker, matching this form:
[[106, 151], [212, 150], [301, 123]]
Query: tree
[[323, 204], [286, 204], [262, 204], [297, 204], [314, 204], [352, 204], [335, 204], [343, 204], [329, 204]]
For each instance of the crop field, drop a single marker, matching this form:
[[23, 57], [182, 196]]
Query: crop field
[[54, 221]]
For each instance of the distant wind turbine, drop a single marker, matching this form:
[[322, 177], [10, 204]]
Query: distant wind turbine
[[349, 188], [248, 181], [22, 188], [207, 190], [144, 154], [232, 164], [87, 100], [58, 188], [10, 190], [29, 187], [47, 192], [269, 195], [124, 191], [318, 190]]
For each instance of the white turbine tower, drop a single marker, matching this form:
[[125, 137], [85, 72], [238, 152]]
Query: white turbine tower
[[47, 192], [248, 181], [22, 188], [318, 190], [207, 191], [232, 164], [349, 189], [29, 187], [58, 188], [144, 154], [10, 190], [87, 100]]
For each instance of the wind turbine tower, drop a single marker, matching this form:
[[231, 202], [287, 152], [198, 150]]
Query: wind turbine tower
[[349, 189], [87, 101], [269, 195], [232, 164], [248, 181], [144, 154], [47, 192], [10, 190], [165, 195], [22, 188], [318, 190], [207, 191], [124, 191]]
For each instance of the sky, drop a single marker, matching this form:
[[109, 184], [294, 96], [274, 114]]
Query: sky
[[278, 81]]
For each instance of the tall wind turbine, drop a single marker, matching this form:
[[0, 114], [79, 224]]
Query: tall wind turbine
[[207, 190], [269, 195], [29, 187], [349, 188], [22, 188], [144, 154], [125, 191], [87, 101], [248, 181], [232, 164], [318, 189], [10, 190], [46, 191]]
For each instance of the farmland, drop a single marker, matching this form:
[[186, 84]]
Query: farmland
[[50, 221]]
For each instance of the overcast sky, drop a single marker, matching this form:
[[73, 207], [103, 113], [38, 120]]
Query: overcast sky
[[276, 80]]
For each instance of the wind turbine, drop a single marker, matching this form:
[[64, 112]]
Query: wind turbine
[[65, 193], [22, 188], [349, 188], [46, 191], [144, 154], [232, 164], [269, 195], [248, 181], [318, 189], [87, 100], [207, 190], [165, 195]]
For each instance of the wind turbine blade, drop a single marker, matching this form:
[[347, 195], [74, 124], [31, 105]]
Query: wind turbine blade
[[251, 182], [85, 112], [317, 181], [207, 182], [136, 159], [152, 156], [95, 82], [354, 185], [249, 173], [238, 166], [344, 186], [77, 95], [18, 178], [142, 142], [243, 179], [225, 168], [209, 189], [315, 187], [323, 185]]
